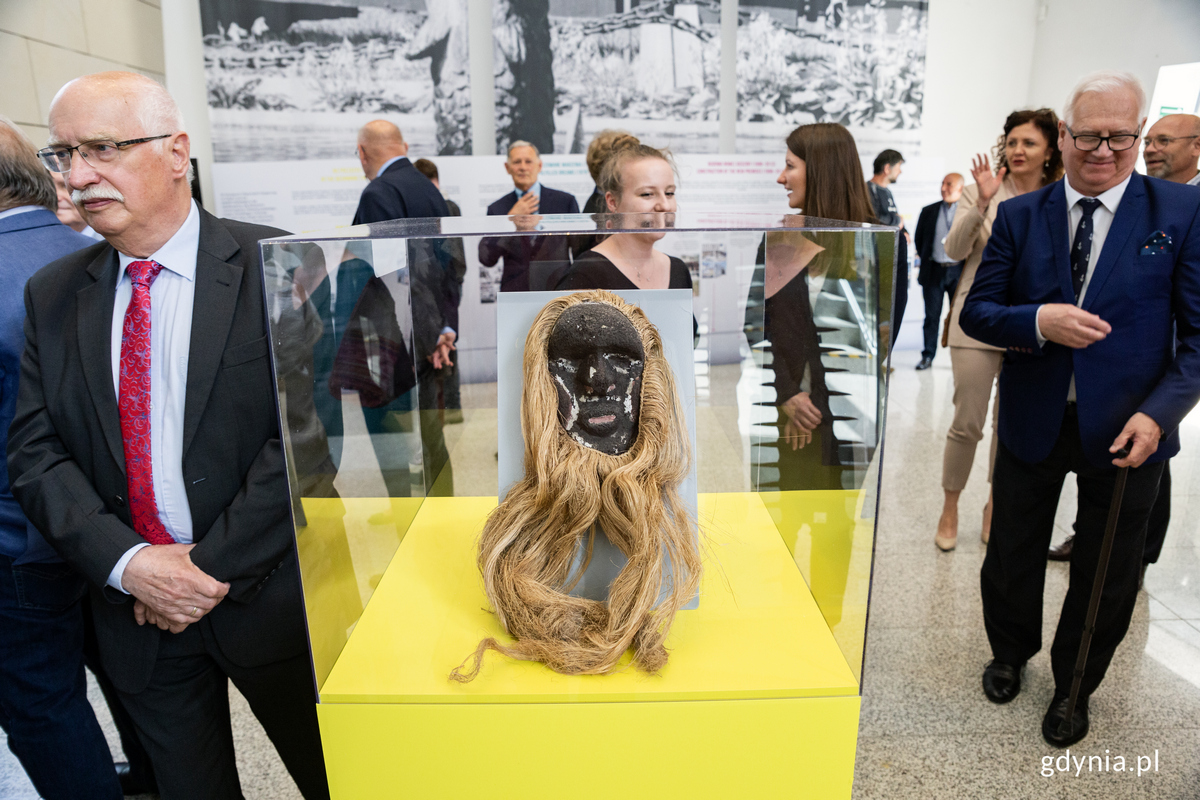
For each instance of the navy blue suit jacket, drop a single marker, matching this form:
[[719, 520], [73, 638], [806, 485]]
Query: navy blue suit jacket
[[923, 240], [1148, 294], [518, 251], [28, 242], [400, 192]]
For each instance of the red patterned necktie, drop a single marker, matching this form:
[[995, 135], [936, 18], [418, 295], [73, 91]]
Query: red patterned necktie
[[134, 405]]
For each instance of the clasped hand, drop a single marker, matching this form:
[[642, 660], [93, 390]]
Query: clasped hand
[[803, 417], [440, 356], [169, 590]]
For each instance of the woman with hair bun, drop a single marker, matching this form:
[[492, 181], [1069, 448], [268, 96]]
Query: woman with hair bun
[[1027, 158]]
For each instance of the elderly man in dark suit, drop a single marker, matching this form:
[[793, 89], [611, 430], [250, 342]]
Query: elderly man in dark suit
[[399, 191], [1086, 283], [146, 445], [528, 260], [44, 708], [938, 274]]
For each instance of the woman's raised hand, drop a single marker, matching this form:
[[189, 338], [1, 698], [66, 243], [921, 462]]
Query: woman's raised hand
[[989, 183]]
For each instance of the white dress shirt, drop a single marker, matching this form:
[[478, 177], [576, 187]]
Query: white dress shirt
[[171, 298], [1195, 181]]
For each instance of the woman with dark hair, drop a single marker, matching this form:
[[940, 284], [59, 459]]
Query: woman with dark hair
[[1027, 158], [823, 178]]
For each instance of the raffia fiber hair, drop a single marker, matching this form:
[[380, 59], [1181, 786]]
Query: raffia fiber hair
[[530, 541]]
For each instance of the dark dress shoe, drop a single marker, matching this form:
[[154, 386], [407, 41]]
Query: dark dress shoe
[[1063, 551], [1053, 730], [1001, 682], [926, 363], [132, 783]]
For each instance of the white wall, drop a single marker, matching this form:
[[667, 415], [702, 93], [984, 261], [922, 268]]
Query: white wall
[[1080, 36], [977, 70]]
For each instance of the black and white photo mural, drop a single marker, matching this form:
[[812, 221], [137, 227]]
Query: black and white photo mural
[[860, 63], [293, 81], [566, 69]]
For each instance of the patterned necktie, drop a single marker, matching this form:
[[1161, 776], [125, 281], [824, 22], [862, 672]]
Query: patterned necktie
[[1081, 251], [134, 405]]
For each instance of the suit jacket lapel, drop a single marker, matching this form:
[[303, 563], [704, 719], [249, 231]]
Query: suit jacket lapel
[[94, 321], [1059, 221], [1133, 202], [218, 283]]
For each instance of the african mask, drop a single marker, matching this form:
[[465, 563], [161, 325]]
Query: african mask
[[606, 445]]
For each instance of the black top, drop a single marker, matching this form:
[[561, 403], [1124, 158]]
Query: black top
[[593, 271]]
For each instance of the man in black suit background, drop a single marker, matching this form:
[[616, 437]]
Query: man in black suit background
[[938, 274], [528, 199], [399, 191], [151, 459]]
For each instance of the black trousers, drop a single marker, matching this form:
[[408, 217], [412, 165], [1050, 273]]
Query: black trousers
[[183, 718], [1160, 518], [1014, 571], [944, 282]]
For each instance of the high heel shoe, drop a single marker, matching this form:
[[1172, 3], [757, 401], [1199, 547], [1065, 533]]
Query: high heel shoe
[[946, 540]]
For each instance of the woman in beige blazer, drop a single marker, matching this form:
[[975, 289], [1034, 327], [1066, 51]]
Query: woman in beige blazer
[[1027, 158]]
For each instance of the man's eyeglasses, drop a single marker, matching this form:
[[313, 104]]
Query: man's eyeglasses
[[102, 151], [1165, 141], [1088, 142]]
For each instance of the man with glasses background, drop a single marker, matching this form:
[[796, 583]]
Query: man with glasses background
[[1086, 282], [1173, 149], [145, 445]]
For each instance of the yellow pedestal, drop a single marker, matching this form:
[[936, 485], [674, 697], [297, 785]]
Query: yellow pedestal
[[757, 700]]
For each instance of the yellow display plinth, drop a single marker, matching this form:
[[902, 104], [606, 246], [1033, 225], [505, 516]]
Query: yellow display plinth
[[757, 699]]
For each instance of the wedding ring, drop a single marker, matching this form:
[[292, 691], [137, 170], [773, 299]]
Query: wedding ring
[[195, 611]]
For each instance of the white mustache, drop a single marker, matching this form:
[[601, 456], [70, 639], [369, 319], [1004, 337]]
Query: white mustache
[[79, 196]]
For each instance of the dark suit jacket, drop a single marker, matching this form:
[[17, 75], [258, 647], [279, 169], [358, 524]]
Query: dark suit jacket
[[926, 232], [1145, 293], [400, 192], [67, 464], [519, 251], [28, 242]]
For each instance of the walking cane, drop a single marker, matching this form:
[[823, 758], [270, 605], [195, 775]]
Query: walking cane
[[1089, 625]]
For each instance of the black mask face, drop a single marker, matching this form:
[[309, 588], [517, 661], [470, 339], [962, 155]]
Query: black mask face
[[596, 360]]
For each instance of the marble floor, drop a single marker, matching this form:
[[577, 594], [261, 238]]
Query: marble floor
[[926, 729]]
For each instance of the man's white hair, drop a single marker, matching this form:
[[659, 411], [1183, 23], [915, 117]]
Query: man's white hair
[[1103, 82], [523, 143], [154, 107]]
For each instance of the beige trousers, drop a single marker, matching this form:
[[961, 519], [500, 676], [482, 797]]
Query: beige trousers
[[975, 373]]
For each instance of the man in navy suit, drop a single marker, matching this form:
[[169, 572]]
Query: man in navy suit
[[529, 198], [1086, 283], [399, 191], [44, 708], [938, 275]]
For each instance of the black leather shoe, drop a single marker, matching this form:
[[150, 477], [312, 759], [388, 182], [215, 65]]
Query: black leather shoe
[[926, 363], [132, 784], [1063, 551], [1052, 726], [1001, 682]]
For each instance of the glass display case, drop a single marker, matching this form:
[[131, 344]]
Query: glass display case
[[396, 461]]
